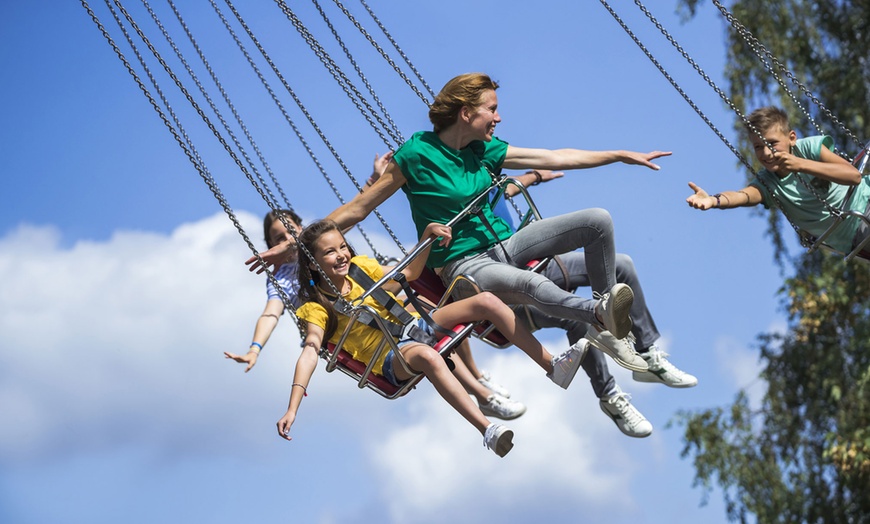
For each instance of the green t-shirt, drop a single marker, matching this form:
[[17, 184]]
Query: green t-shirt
[[442, 181], [803, 207]]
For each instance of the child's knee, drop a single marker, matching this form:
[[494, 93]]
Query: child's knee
[[489, 302]]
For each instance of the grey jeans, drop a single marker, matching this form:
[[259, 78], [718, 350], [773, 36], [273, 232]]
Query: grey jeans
[[595, 364], [501, 269], [644, 327]]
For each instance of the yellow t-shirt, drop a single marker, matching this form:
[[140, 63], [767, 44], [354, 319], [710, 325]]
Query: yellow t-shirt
[[363, 340]]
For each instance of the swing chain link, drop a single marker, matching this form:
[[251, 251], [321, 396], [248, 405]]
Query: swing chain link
[[310, 119], [392, 129], [760, 50], [384, 54], [191, 155], [338, 75], [724, 98]]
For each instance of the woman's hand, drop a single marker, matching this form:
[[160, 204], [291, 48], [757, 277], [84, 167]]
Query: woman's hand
[[438, 230]]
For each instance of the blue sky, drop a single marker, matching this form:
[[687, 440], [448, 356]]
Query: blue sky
[[123, 282]]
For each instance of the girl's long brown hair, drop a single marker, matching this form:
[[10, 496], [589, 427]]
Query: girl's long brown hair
[[309, 291]]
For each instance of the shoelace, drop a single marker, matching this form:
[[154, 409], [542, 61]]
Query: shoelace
[[659, 359], [631, 416]]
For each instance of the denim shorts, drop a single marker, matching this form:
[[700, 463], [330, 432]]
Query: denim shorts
[[387, 368]]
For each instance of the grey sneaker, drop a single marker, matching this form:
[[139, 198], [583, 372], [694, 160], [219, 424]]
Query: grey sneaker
[[613, 308], [627, 418], [487, 382], [621, 350], [499, 439], [565, 366], [661, 371], [504, 408]]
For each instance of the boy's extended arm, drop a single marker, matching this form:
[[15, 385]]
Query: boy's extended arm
[[748, 196], [305, 366]]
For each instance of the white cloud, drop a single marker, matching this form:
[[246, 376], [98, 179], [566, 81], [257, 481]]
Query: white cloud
[[108, 344]]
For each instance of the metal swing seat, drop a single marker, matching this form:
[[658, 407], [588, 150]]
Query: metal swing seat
[[425, 293]]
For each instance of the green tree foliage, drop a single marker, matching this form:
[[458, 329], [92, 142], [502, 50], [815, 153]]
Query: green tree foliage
[[803, 454]]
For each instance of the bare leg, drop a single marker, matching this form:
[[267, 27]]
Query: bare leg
[[486, 306], [430, 363], [464, 352], [468, 381]]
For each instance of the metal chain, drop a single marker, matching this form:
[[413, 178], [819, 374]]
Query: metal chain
[[384, 54], [200, 168], [196, 107], [691, 103], [271, 201], [232, 108], [392, 125], [760, 50], [311, 120], [834, 211], [350, 90]]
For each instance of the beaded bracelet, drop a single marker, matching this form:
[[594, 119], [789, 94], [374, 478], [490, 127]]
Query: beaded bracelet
[[304, 391]]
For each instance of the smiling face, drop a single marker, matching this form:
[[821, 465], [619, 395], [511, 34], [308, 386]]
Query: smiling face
[[333, 255], [777, 138], [278, 233], [482, 119]]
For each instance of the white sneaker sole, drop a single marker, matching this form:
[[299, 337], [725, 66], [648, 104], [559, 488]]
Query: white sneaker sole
[[621, 299], [638, 364], [505, 443], [495, 414], [651, 378]]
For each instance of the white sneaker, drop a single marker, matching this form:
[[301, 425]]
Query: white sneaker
[[613, 308], [499, 439], [627, 418], [662, 371], [621, 350], [487, 382], [504, 408], [565, 366]]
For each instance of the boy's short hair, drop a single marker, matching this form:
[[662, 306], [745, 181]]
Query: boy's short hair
[[767, 118]]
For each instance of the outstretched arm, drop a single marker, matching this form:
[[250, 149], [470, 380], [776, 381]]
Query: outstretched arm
[[262, 331], [748, 196], [305, 366], [525, 158], [364, 203]]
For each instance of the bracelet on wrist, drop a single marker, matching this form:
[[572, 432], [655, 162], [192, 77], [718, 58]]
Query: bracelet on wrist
[[256, 345], [304, 390], [538, 178], [716, 196]]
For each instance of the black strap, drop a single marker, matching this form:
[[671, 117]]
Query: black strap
[[420, 307], [408, 321]]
